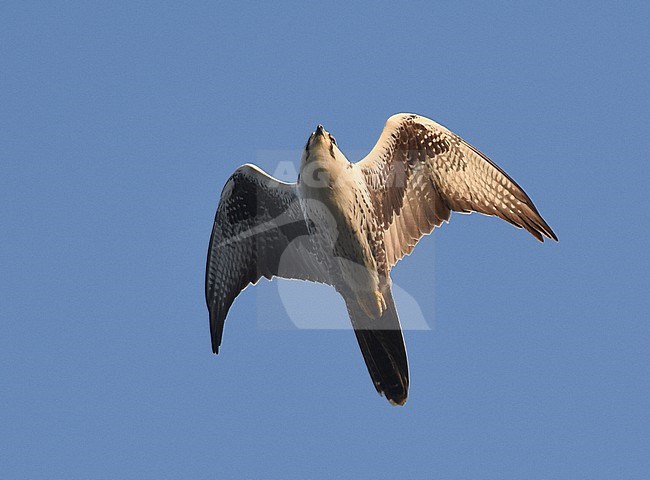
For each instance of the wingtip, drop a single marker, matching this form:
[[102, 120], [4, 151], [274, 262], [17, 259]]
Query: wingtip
[[542, 236], [546, 229], [215, 347], [215, 332], [539, 228], [549, 233]]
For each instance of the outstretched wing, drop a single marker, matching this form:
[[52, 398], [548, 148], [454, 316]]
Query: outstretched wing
[[259, 231], [418, 172]]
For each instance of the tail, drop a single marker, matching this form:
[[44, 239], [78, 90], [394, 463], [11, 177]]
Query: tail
[[382, 346]]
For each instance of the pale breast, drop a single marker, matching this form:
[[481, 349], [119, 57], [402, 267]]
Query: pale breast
[[341, 217]]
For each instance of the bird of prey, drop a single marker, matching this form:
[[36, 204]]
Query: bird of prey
[[347, 224]]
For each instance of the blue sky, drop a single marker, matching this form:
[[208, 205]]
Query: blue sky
[[119, 125]]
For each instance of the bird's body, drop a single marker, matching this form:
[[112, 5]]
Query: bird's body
[[336, 205], [346, 225]]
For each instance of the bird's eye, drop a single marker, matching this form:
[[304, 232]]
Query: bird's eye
[[333, 140]]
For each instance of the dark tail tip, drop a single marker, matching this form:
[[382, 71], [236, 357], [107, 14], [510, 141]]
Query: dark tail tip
[[397, 396]]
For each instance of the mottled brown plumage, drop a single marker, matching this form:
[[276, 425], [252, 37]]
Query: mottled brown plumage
[[419, 172]]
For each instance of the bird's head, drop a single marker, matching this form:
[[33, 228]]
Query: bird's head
[[321, 147]]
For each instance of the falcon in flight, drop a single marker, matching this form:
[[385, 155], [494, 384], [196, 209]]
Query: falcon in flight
[[347, 224]]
